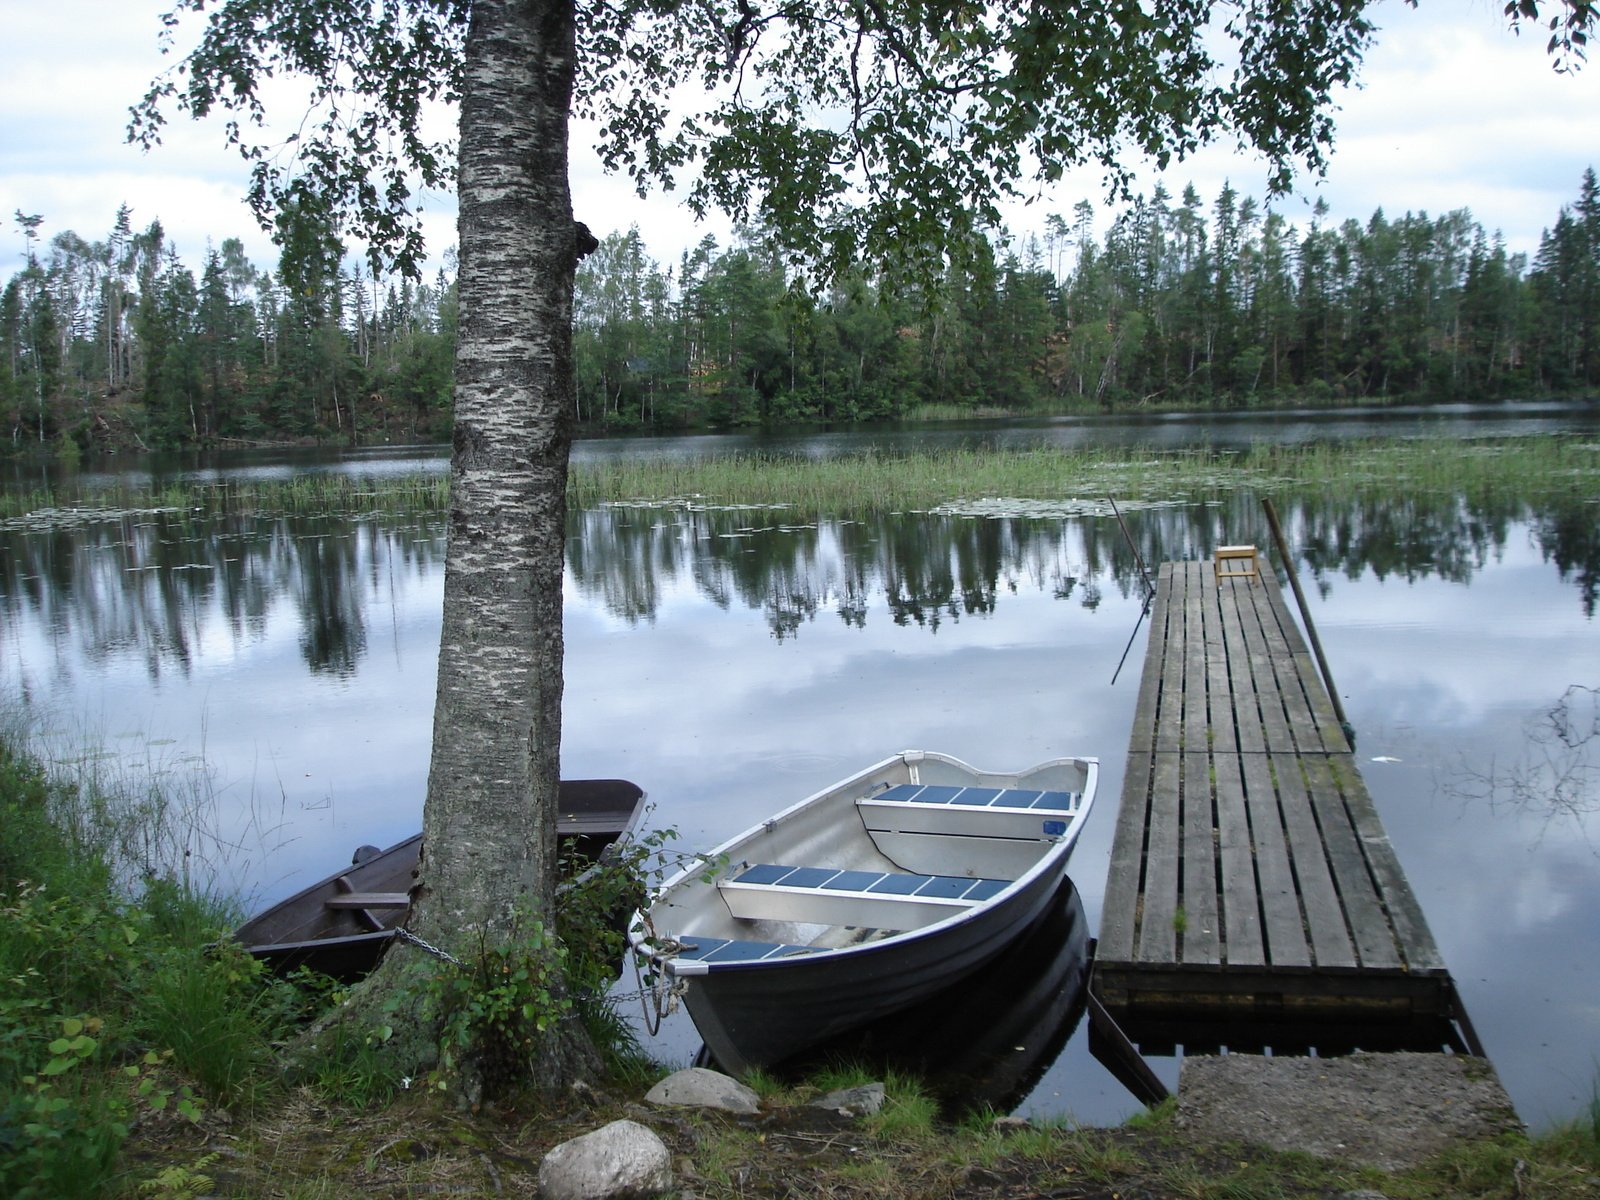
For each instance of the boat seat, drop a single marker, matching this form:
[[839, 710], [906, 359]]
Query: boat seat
[[369, 900], [863, 899], [715, 949], [1024, 813]]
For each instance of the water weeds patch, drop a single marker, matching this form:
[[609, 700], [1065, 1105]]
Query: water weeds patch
[[1001, 507], [48, 519]]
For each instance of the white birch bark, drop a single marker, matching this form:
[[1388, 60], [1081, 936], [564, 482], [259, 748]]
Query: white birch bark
[[489, 822]]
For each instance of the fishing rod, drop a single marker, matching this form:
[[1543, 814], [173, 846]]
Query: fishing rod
[[1150, 589], [1129, 646]]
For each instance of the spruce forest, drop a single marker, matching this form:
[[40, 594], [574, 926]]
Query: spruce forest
[[117, 344]]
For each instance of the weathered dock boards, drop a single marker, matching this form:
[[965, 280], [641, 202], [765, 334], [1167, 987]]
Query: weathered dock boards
[[1251, 880]]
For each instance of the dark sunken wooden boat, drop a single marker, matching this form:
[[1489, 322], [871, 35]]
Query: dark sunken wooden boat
[[341, 925]]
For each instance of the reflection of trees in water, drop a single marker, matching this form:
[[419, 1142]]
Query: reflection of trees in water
[[1557, 773], [1410, 538], [930, 569], [155, 583], [1570, 538], [158, 583], [1443, 536]]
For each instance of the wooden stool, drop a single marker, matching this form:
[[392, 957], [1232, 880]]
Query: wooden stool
[[1236, 562]]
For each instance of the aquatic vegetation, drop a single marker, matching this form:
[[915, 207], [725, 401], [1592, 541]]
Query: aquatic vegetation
[[76, 506], [1052, 482], [1069, 482]]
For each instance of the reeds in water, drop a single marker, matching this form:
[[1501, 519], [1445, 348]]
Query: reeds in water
[[1533, 469]]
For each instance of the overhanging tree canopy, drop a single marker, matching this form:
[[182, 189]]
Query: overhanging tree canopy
[[839, 124]]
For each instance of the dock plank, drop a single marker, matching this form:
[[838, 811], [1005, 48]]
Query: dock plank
[[1157, 933], [1410, 927], [1364, 914], [1169, 707], [1202, 926], [1222, 734], [1267, 697], [1282, 641], [1319, 898], [1241, 891], [1330, 731], [1284, 927], [1143, 735], [1196, 721], [1119, 924], [1244, 711]]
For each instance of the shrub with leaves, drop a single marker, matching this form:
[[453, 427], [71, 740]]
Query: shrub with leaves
[[64, 1125], [492, 1009]]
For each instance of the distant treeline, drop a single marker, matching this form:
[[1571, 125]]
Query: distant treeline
[[1178, 304]]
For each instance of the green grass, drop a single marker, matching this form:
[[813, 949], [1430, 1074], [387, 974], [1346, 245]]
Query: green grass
[[112, 1010], [123, 1002]]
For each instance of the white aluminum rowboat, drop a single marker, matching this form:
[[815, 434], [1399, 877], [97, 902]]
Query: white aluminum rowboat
[[861, 899]]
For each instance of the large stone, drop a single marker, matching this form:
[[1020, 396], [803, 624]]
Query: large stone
[[697, 1087], [860, 1101], [619, 1161]]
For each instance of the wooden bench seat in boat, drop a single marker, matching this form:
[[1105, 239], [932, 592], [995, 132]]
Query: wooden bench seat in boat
[[864, 899]]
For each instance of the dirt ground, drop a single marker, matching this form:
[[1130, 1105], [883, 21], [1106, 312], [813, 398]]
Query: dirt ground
[[1382, 1111]]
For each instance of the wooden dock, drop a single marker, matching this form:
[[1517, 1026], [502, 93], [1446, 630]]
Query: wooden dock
[[1252, 885]]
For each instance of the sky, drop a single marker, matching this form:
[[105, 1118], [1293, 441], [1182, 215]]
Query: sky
[[1453, 111]]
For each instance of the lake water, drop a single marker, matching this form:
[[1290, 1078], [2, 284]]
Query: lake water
[[732, 661]]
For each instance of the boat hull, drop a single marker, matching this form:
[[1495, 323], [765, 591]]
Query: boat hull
[[984, 1042], [305, 930], [827, 978]]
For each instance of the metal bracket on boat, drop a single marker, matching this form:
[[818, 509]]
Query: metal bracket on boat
[[658, 998]]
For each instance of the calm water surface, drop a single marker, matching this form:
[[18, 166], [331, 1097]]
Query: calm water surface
[[732, 662]]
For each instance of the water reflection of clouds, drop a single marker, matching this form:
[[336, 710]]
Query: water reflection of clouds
[[307, 764], [1438, 653], [682, 677], [1513, 913], [1448, 677]]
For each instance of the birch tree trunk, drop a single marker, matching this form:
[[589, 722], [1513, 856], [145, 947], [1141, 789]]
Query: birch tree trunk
[[489, 824], [489, 841]]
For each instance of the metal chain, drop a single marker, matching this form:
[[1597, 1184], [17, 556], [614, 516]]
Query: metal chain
[[406, 935], [658, 996]]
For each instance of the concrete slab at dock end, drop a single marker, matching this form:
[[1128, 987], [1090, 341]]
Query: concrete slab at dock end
[[1390, 1111]]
